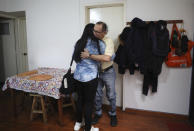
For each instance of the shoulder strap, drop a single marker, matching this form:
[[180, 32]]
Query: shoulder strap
[[69, 70], [99, 66], [71, 62], [98, 46]]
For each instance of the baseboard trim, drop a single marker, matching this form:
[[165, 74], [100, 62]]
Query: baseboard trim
[[152, 113], [157, 114]]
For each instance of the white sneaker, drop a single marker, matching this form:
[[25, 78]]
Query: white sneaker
[[78, 125], [94, 129]]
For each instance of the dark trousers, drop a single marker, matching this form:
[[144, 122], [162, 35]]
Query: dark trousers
[[86, 94], [150, 80]]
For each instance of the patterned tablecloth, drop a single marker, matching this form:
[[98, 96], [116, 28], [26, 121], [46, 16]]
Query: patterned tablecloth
[[48, 87]]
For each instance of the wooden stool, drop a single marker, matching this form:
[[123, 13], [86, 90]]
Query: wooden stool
[[72, 103], [37, 97]]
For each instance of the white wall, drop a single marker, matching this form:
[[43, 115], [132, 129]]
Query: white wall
[[193, 20], [52, 30], [174, 84], [162, 9], [3, 5], [54, 26]]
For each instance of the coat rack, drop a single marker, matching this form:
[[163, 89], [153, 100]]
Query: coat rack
[[129, 23], [168, 21]]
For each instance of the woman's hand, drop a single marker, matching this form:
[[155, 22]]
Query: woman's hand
[[85, 54]]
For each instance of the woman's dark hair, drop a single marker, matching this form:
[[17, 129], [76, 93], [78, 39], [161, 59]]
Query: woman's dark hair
[[81, 43]]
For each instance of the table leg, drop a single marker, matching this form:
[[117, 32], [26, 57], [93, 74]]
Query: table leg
[[13, 102], [60, 112]]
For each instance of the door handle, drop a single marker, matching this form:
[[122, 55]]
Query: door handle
[[25, 54]]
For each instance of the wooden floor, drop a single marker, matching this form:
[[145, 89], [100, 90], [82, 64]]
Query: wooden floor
[[127, 121]]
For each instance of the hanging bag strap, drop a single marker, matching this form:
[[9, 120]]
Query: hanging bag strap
[[174, 27]]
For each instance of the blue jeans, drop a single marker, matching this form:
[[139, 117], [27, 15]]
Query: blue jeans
[[106, 79]]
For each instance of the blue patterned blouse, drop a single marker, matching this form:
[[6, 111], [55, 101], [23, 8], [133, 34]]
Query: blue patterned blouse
[[87, 69]]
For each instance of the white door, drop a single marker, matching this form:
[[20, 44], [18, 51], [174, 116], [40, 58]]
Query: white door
[[21, 45], [8, 48], [114, 18]]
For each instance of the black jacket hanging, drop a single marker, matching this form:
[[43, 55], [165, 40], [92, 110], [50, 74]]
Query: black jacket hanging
[[155, 51]]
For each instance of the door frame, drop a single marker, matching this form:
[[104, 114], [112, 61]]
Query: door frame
[[84, 19], [87, 9], [16, 35], [85, 6], [2, 15]]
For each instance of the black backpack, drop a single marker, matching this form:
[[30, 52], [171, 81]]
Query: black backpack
[[184, 43], [175, 39], [70, 85]]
